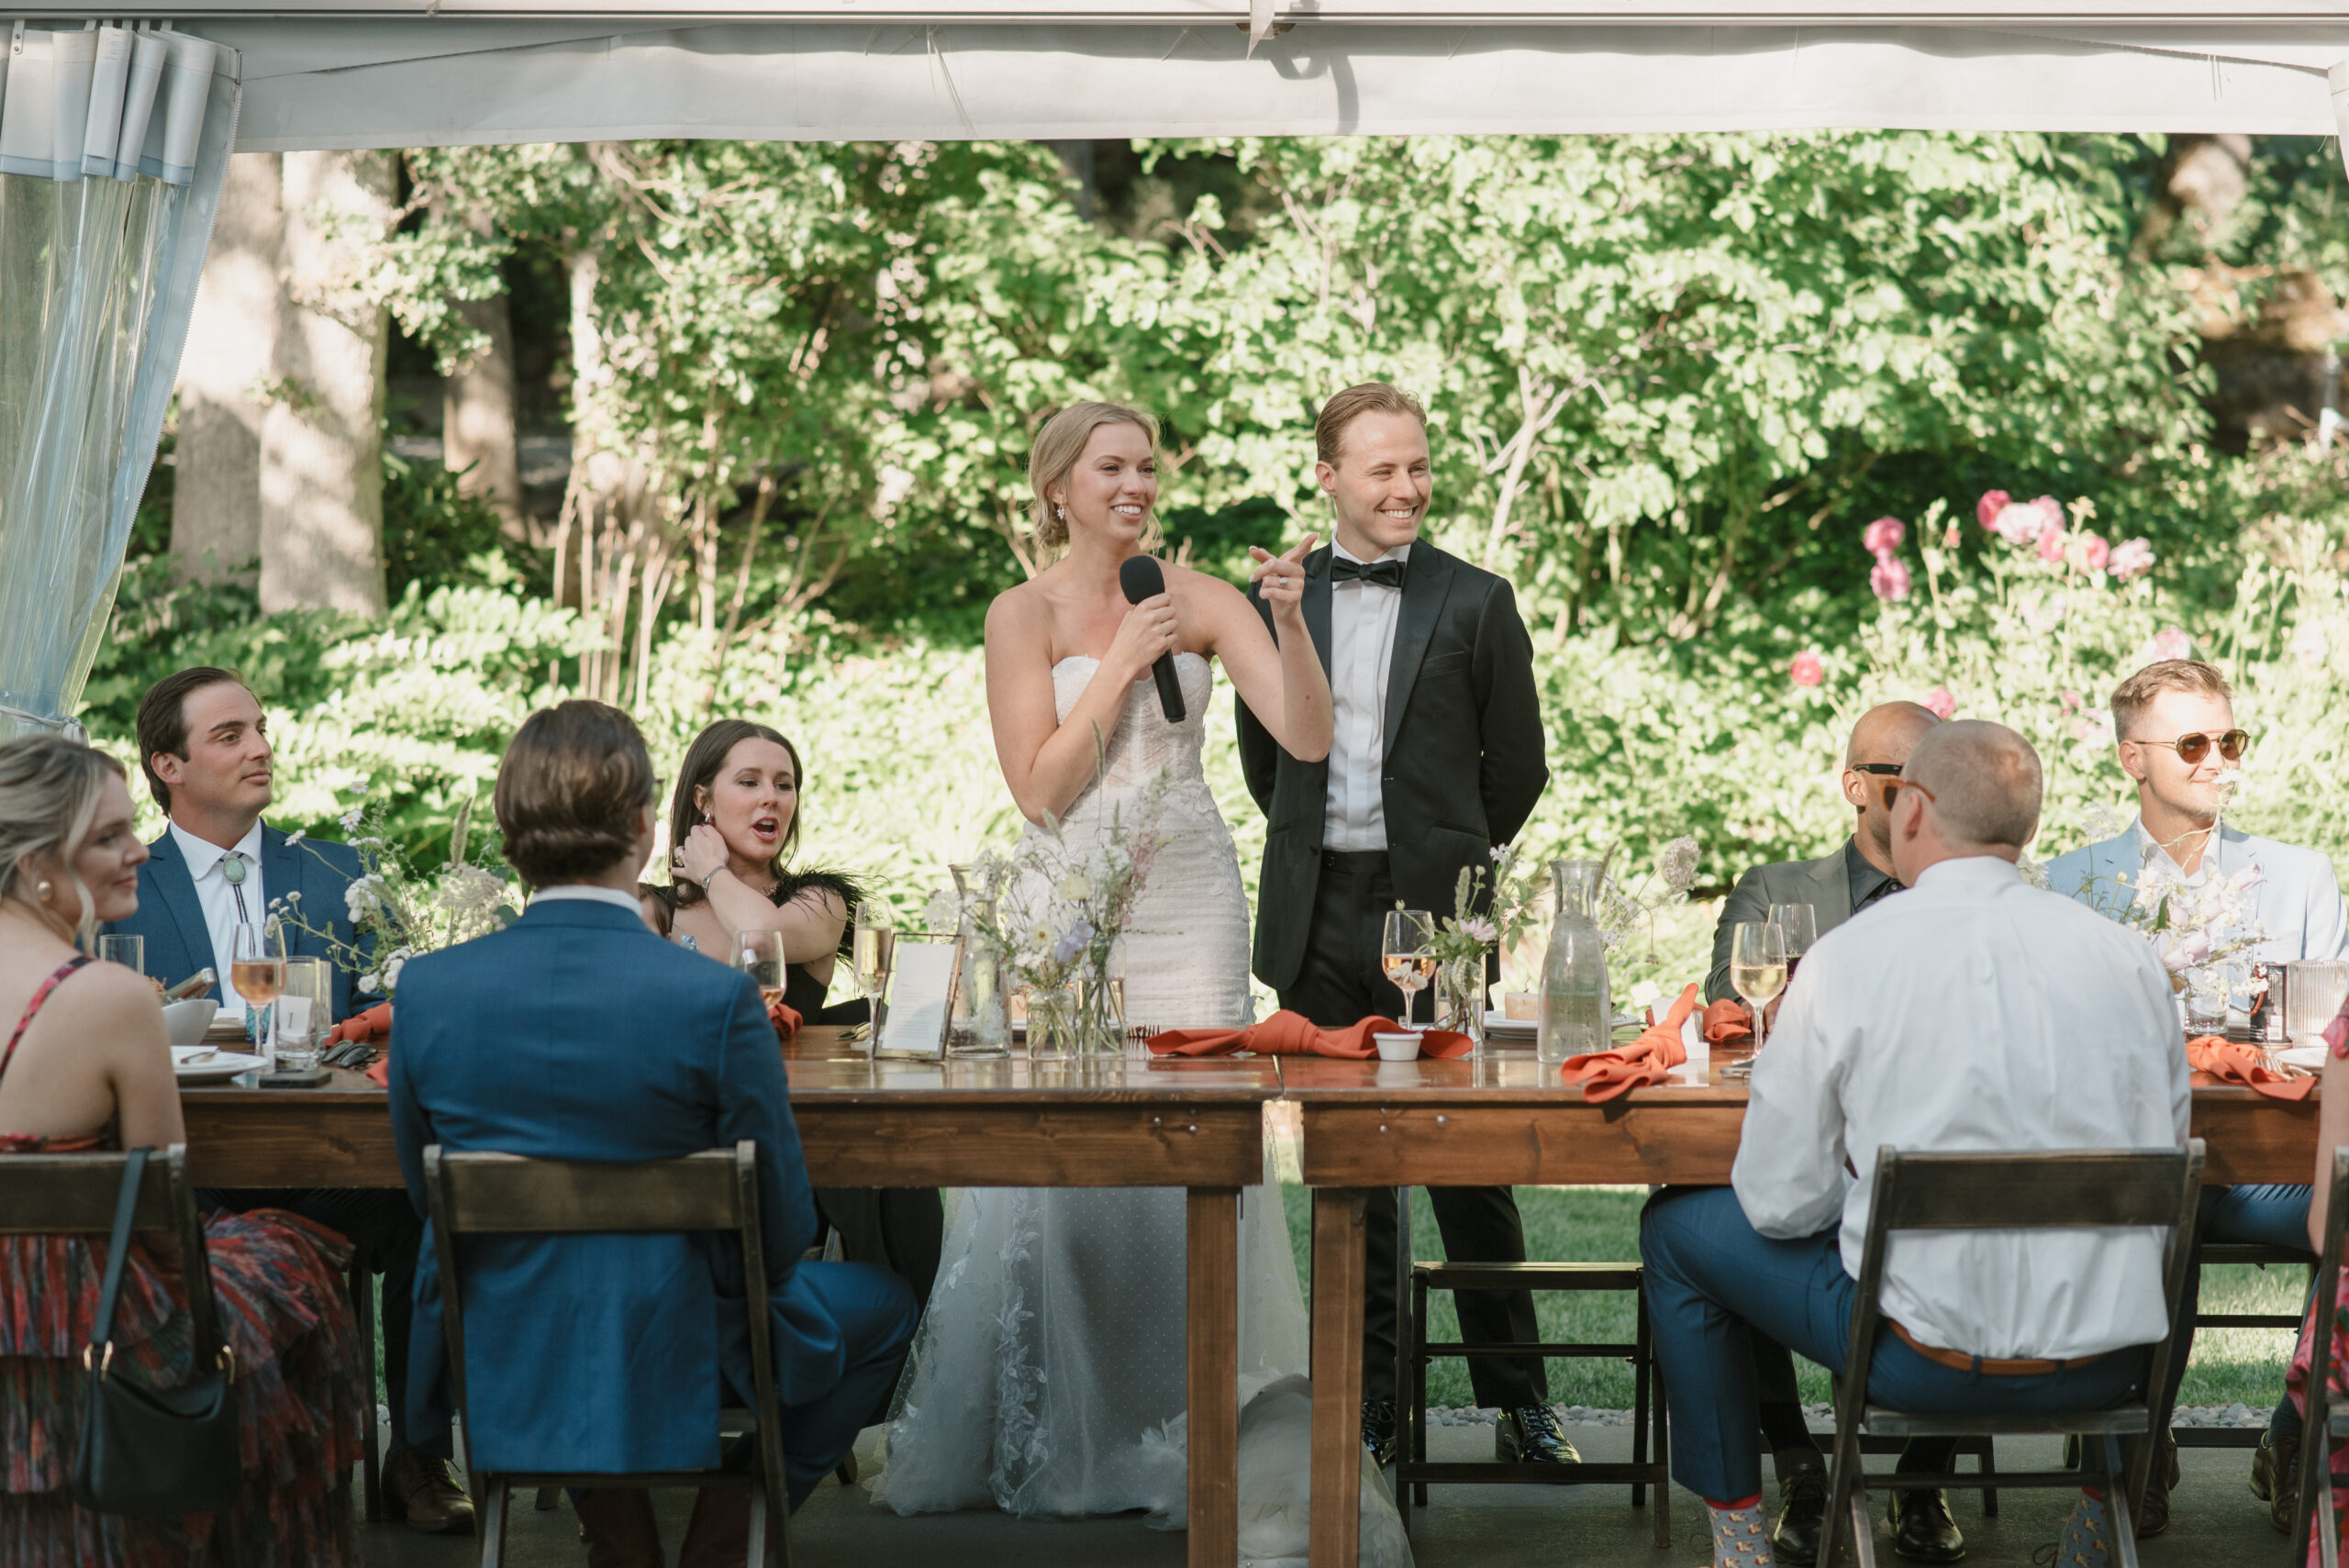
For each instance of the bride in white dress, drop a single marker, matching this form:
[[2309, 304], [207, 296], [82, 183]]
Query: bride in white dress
[[1048, 1377]]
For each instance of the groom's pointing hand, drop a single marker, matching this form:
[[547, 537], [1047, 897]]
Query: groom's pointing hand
[[1281, 578]]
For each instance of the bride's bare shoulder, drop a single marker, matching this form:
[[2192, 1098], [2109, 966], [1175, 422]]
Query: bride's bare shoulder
[[1020, 615]]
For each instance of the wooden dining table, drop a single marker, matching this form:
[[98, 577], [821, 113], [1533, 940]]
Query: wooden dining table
[[1507, 1121], [1107, 1122]]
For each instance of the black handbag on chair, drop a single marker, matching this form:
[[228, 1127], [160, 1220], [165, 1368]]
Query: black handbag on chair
[[153, 1453]]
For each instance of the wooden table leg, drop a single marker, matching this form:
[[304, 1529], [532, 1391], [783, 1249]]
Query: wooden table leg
[[1339, 1274], [1212, 1372]]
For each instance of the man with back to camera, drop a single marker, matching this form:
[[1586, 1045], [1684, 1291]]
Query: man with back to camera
[[204, 744], [1436, 757], [1836, 886], [2176, 737]]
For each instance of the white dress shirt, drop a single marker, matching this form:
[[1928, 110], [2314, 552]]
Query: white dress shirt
[[226, 905], [2298, 900], [1973, 1013], [589, 892], [1362, 652]]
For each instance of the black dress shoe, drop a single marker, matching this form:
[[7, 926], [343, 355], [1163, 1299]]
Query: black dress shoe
[[1803, 1515], [1378, 1430], [2153, 1514], [1530, 1435], [1922, 1530]]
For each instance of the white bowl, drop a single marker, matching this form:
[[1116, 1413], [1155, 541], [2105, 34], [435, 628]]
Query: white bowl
[[188, 1020], [1397, 1047]]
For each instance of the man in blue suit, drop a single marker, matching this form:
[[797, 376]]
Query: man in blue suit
[[577, 1033], [204, 743]]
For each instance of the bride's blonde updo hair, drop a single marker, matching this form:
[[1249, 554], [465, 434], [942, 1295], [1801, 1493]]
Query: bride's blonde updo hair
[[1058, 446], [50, 793]]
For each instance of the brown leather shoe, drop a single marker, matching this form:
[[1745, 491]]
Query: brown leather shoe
[[2153, 1518], [425, 1492], [618, 1524]]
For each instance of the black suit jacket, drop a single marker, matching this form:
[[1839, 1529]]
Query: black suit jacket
[[1464, 750]]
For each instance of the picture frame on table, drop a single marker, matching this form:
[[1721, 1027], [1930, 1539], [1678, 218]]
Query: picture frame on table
[[917, 1010]]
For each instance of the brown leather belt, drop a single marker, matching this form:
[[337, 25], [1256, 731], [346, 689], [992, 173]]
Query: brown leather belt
[[1992, 1366]]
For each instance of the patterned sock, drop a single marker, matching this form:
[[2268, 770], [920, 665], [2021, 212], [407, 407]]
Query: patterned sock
[[1740, 1533], [2087, 1535]]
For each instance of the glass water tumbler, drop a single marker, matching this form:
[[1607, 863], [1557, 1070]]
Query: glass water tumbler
[[1577, 1016]]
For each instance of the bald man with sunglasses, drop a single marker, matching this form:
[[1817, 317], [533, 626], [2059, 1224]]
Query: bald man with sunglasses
[[2174, 725]]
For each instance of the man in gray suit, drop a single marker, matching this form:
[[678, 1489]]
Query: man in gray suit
[[1836, 886]]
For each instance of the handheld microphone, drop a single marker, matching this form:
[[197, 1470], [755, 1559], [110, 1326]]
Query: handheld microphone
[[1139, 575]]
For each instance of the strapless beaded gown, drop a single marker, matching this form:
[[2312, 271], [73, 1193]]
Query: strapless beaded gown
[[1047, 1378]]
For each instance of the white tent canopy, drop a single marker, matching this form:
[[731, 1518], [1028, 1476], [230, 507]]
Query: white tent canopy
[[345, 74]]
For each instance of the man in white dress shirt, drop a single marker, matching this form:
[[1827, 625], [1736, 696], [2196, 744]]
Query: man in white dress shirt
[[1436, 755], [2174, 724], [1972, 1012]]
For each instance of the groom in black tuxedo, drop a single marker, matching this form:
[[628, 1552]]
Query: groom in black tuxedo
[[1437, 757]]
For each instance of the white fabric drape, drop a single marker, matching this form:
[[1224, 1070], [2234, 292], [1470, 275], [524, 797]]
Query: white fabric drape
[[113, 147]]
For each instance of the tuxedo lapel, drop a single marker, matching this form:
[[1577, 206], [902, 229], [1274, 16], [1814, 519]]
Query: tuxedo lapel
[[166, 872], [1317, 603], [1426, 582]]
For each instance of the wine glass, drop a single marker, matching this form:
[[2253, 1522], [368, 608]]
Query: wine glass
[[1757, 968], [256, 967], [872, 950], [1800, 924], [1403, 952], [759, 954]]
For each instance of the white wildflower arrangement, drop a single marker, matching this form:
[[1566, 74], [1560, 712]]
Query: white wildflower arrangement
[[396, 912], [1065, 906], [2205, 935], [1492, 905], [1622, 909]]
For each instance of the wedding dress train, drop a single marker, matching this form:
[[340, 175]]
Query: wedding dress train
[[1048, 1377]]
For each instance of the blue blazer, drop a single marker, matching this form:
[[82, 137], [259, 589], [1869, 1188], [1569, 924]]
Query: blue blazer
[[172, 919], [578, 1034]]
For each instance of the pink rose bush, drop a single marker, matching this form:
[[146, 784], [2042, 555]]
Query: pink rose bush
[[1884, 535], [2133, 559], [1809, 669], [2095, 553], [1890, 579], [1942, 702], [1986, 509]]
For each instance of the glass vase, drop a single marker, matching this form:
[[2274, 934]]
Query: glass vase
[[1100, 1013], [1460, 999], [1052, 1025], [982, 1023], [1577, 1016]]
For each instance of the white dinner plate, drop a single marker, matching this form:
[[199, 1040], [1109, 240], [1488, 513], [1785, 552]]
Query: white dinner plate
[[216, 1066], [2310, 1057], [1501, 1023]]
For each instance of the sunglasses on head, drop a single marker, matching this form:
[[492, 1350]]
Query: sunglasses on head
[[2192, 749]]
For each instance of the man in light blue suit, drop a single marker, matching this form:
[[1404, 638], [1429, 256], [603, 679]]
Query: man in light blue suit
[[577, 1033], [2174, 725], [204, 744]]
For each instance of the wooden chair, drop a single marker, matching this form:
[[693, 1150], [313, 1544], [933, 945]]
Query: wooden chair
[[2264, 1256], [506, 1194], [1650, 1463], [2325, 1425], [2155, 1188], [74, 1195]]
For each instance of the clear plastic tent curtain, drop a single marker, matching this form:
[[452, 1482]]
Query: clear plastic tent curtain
[[114, 144]]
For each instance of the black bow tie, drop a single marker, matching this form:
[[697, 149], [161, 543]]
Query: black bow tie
[[1386, 574]]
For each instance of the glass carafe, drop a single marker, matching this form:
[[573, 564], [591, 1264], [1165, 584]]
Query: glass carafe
[[1576, 1014], [982, 1023]]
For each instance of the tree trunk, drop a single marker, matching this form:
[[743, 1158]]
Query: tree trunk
[[478, 442], [225, 375], [322, 446]]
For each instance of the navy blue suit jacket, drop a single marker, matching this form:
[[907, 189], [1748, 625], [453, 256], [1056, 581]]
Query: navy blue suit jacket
[[171, 916], [578, 1034]]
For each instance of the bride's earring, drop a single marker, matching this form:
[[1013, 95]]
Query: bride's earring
[[1061, 512], [42, 890]]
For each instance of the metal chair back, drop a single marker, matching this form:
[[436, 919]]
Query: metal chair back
[[2155, 1188], [2320, 1417], [715, 1190]]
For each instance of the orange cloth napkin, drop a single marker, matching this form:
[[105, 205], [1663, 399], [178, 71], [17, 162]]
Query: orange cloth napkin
[[375, 1022], [1293, 1034], [785, 1018], [1604, 1075], [2240, 1063], [1725, 1020]]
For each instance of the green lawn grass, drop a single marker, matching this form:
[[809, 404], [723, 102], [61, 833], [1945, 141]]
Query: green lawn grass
[[1601, 1224]]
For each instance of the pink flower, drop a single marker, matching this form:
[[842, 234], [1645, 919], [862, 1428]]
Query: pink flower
[[1808, 669], [2018, 522], [1942, 701], [1891, 577], [1884, 535], [2051, 512], [2071, 699], [2169, 643], [2133, 559], [2094, 551], [1986, 509], [2051, 545]]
